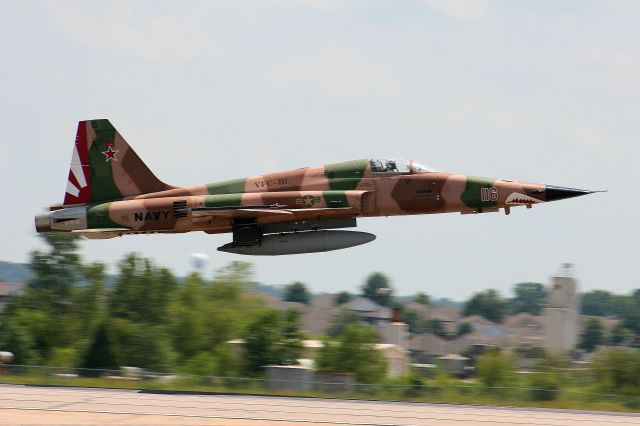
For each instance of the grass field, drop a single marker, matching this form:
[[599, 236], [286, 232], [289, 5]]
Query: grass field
[[449, 391]]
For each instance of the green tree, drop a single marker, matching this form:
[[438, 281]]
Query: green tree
[[17, 340], [202, 366], [142, 292], [292, 336], [101, 353], [354, 352], [222, 362], [592, 336], [618, 371], [631, 315], [297, 292], [596, 303], [619, 335], [546, 380], [341, 320], [44, 311], [529, 297], [204, 315], [272, 338], [413, 320], [495, 369], [544, 386], [34, 326], [88, 303], [342, 297], [188, 318], [55, 271], [227, 362], [377, 287], [422, 298], [436, 326], [463, 328], [142, 345], [236, 275], [488, 304], [64, 301], [63, 357], [155, 350], [603, 303], [233, 302]]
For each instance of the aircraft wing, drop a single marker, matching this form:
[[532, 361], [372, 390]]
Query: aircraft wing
[[101, 233], [237, 211]]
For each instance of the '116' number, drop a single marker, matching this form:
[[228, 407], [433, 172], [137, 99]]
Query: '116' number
[[489, 194]]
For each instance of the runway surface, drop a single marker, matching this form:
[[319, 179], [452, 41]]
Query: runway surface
[[35, 405]]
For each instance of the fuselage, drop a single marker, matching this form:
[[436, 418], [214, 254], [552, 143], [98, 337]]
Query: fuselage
[[342, 190]]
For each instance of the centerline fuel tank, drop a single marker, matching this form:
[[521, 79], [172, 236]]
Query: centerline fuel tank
[[301, 242]]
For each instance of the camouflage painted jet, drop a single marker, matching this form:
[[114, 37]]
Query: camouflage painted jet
[[111, 192]]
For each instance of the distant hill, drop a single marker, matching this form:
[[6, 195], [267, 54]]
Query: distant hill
[[21, 273], [448, 303], [14, 272], [443, 301], [273, 289]]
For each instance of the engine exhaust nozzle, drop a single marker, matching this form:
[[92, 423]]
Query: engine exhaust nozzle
[[43, 222]]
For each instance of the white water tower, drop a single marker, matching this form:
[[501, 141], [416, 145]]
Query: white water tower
[[199, 262], [561, 312]]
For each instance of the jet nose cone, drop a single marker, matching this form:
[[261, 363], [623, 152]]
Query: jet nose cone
[[554, 193]]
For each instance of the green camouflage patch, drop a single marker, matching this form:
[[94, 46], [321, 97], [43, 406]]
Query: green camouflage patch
[[235, 186], [98, 217], [346, 175], [472, 194], [335, 199], [103, 187], [223, 200]]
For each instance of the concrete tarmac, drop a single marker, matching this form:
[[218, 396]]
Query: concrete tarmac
[[35, 405]]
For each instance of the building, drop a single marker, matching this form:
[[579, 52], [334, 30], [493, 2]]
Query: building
[[317, 317], [397, 357], [320, 312], [296, 377], [426, 347], [561, 314], [454, 364], [396, 333], [370, 311]]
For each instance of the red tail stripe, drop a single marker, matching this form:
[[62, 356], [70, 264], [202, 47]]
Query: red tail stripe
[[83, 154]]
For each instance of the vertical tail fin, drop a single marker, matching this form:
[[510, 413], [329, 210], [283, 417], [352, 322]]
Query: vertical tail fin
[[104, 167]]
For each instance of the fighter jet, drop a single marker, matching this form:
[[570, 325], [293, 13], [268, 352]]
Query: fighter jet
[[111, 192]]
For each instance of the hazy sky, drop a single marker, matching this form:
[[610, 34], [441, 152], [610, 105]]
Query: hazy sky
[[542, 91]]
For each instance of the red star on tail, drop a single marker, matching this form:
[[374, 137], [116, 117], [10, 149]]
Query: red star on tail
[[110, 153]]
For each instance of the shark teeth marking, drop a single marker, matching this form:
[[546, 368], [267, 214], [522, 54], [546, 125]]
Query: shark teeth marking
[[517, 198]]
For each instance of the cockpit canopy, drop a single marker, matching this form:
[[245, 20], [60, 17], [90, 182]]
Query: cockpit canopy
[[397, 166]]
